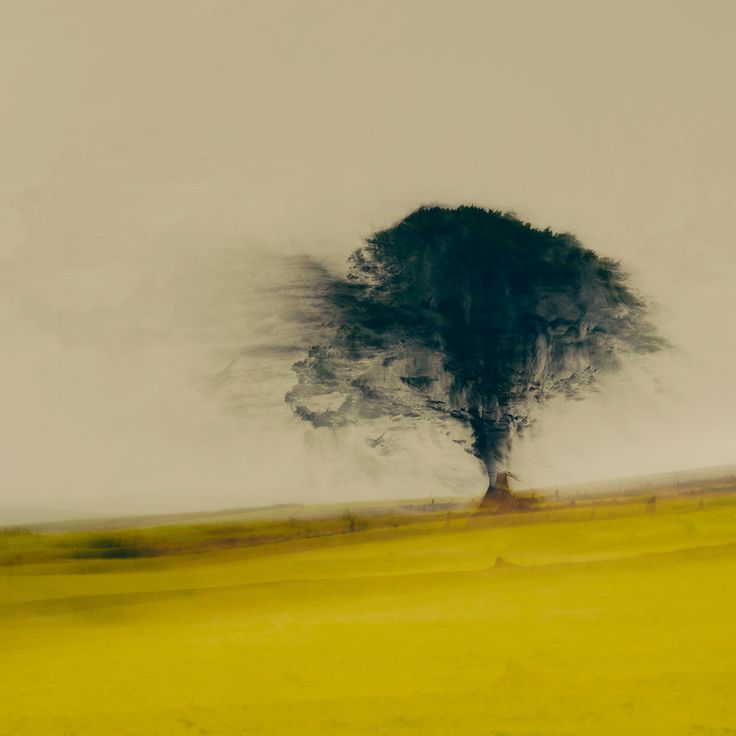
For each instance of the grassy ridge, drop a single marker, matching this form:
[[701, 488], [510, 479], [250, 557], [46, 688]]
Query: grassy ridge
[[613, 618], [23, 546]]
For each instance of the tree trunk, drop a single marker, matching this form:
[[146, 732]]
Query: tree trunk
[[498, 493]]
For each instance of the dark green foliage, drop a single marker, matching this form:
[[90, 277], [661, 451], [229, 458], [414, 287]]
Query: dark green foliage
[[479, 316]]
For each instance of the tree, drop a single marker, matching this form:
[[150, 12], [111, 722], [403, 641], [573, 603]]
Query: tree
[[472, 316]]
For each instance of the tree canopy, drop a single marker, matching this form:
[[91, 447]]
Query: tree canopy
[[473, 316]]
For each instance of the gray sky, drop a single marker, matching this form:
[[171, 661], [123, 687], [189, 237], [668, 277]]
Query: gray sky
[[160, 158]]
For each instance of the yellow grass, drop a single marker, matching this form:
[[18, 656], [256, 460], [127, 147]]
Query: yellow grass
[[617, 620]]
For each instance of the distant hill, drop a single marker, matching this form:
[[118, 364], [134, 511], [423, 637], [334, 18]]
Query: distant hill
[[276, 512], [679, 479], [14, 515], [63, 520]]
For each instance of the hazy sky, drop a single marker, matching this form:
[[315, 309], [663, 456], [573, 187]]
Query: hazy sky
[[160, 161]]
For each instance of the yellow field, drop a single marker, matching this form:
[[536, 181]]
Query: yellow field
[[609, 620]]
